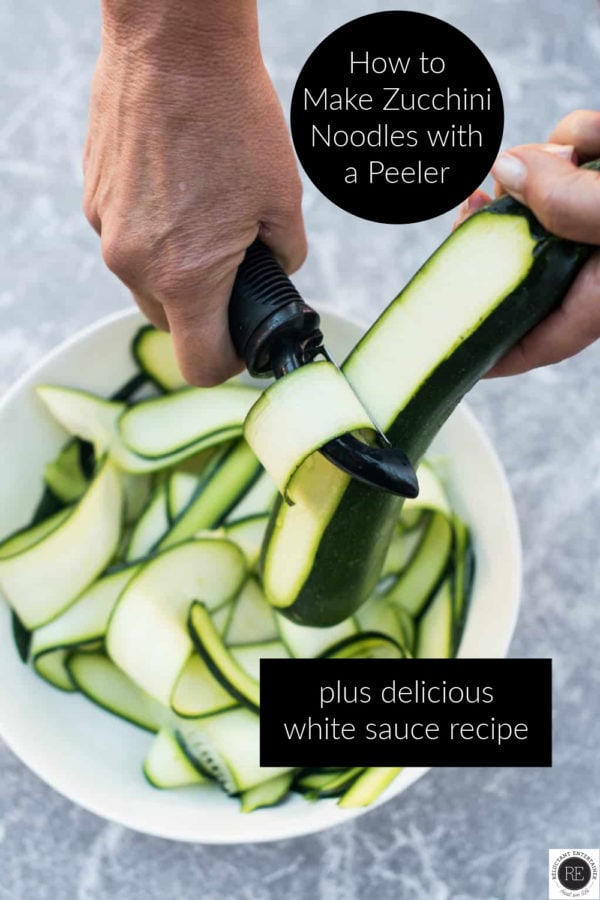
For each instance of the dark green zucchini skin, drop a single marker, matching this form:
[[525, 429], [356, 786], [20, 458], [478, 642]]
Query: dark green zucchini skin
[[353, 547]]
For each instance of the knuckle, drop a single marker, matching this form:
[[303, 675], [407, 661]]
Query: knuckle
[[90, 211], [119, 254], [185, 266]]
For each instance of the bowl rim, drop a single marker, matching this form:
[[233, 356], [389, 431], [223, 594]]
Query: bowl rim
[[268, 829]]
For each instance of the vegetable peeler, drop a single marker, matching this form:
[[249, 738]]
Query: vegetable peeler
[[275, 331]]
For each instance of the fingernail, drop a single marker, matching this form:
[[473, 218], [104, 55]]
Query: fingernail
[[566, 151], [510, 172]]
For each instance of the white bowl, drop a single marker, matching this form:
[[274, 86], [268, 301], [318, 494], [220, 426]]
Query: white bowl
[[93, 758]]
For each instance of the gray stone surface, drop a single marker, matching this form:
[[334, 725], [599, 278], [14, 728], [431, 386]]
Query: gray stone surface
[[468, 834]]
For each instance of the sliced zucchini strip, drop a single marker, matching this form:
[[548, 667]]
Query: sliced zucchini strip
[[167, 766], [252, 619], [221, 663], [227, 747], [147, 635], [369, 785], [325, 783], [228, 478], [417, 582], [249, 534], [96, 676], [137, 490], [185, 487], [367, 645], [401, 550], [64, 475], [87, 618], [435, 627], [248, 656], [269, 793], [52, 667], [306, 642], [198, 693], [462, 577], [378, 614], [181, 488], [154, 353], [407, 623], [43, 580], [96, 420], [152, 525], [26, 537], [163, 426], [298, 414], [257, 501], [222, 617]]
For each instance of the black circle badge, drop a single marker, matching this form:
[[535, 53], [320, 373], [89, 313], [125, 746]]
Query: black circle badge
[[574, 873], [397, 117]]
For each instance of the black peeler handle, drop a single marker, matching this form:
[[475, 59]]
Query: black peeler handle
[[267, 313]]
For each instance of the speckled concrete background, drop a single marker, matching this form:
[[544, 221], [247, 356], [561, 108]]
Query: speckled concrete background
[[469, 834]]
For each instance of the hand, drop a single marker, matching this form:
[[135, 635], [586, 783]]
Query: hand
[[187, 160], [566, 200]]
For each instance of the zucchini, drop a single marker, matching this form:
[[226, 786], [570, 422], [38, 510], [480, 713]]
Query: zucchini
[[490, 282], [198, 693], [26, 537], [96, 420], [377, 614], [228, 476], [366, 645], [167, 766], [304, 642], [462, 578], [51, 665], [227, 747], [326, 784], [248, 656], [257, 501], [42, 580], [153, 351], [152, 525], [105, 685], [401, 550], [417, 582], [180, 488], [267, 794], [249, 534], [286, 425], [369, 785], [222, 664], [252, 619], [147, 635], [86, 620], [137, 490], [435, 627], [65, 476], [222, 617], [162, 426], [407, 624]]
